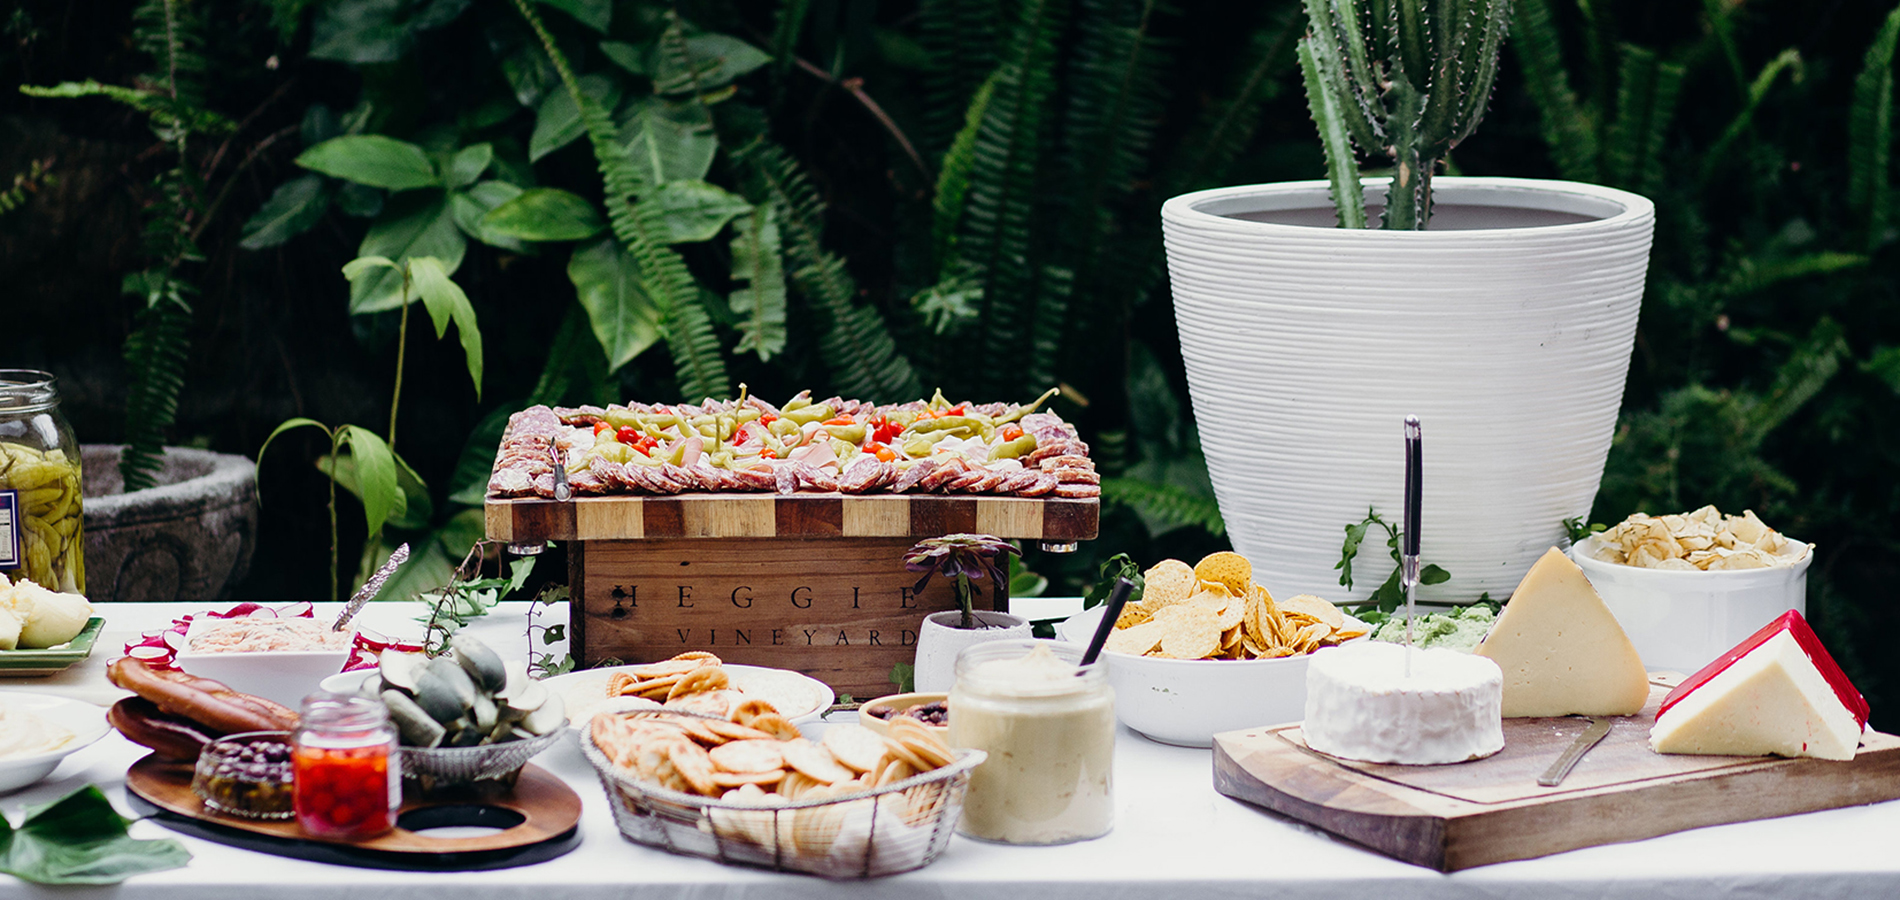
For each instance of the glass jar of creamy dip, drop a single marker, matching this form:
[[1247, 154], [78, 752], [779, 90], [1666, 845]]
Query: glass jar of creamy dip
[[1048, 725]]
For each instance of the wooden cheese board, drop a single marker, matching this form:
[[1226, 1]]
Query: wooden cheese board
[[1492, 810], [538, 819]]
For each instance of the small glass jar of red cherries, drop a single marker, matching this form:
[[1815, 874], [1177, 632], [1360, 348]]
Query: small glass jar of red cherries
[[348, 774]]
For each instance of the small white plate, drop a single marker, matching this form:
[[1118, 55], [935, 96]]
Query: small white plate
[[86, 721], [799, 697]]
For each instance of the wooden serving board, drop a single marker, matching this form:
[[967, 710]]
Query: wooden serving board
[[807, 515], [1492, 810], [539, 818]]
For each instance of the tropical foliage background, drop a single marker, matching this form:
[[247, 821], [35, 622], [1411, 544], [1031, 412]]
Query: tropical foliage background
[[632, 199]]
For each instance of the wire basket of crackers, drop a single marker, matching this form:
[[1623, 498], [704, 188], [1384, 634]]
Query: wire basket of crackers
[[853, 805]]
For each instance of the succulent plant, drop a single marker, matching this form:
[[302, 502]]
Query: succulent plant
[[1405, 79], [465, 697], [963, 557]]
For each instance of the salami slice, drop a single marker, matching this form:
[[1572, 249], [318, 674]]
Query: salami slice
[[1078, 491], [913, 474], [962, 483], [1075, 475], [1046, 482], [1017, 480], [859, 476]]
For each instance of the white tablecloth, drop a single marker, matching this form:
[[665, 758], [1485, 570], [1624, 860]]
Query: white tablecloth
[[1174, 838]]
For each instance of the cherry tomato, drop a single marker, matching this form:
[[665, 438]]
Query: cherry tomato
[[628, 435], [1011, 432], [886, 454], [600, 427], [768, 453], [767, 419]]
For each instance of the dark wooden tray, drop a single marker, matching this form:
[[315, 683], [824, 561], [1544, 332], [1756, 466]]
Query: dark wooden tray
[[1472, 814], [540, 819]]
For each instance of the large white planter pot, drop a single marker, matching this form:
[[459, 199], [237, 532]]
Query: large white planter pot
[[940, 640], [1506, 328]]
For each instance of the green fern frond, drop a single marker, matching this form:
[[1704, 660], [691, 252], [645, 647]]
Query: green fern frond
[[760, 305], [640, 227], [38, 174], [1720, 151], [789, 22], [155, 355], [1870, 134], [1164, 506], [953, 177], [853, 339], [1646, 92], [1568, 128], [994, 235], [1115, 103], [961, 38]]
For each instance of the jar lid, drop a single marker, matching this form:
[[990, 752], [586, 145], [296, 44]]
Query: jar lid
[[27, 390]]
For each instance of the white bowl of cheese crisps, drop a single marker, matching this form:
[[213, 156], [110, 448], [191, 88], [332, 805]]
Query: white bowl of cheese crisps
[[39, 730], [1682, 618]]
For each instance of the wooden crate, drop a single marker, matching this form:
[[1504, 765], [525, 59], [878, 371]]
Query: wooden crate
[[810, 582]]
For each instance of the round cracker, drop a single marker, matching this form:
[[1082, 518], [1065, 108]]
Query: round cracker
[[1228, 568], [741, 779], [922, 741], [734, 731], [776, 725], [856, 746], [694, 766], [815, 761], [700, 681], [749, 756], [897, 771]]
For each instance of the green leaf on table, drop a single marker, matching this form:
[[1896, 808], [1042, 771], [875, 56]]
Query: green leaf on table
[[446, 302], [81, 839], [296, 206], [1116, 567], [469, 163], [595, 14], [696, 210], [558, 122], [607, 282], [419, 224], [545, 214], [372, 159], [377, 31], [376, 481], [760, 305], [667, 144], [469, 206]]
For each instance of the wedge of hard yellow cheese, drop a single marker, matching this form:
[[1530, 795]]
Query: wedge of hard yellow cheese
[[1561, 650]]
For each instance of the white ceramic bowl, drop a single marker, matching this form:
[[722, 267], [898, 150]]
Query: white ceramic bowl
[[1682, 621], [1187, 701], [281, 675], [86, 721]]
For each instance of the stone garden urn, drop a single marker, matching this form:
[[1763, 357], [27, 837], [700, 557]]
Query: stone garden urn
[[189, 538]]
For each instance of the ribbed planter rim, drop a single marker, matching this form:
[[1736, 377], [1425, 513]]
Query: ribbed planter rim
[[1607, 207]]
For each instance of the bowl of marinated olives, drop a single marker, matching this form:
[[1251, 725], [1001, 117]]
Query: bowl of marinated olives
[[246, 775]]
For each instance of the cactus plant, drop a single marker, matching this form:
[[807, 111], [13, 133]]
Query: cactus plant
[[1406, 79]]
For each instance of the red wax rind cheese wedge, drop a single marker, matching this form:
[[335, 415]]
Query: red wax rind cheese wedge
[[1804, 636]]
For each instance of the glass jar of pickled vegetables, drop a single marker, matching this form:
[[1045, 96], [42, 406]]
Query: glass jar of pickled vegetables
[[346, 775], [42, 534]]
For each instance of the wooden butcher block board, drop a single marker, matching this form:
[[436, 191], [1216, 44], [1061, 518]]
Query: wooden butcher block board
[[1472, 814], [804, 515]]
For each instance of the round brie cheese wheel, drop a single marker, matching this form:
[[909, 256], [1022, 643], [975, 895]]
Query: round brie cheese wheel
[[1362, 704]]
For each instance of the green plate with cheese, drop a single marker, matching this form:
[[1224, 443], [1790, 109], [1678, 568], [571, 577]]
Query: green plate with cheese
[[28, 663]]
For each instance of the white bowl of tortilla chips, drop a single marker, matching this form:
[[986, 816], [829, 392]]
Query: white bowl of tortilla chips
[[1226, 657], [1688, 587]]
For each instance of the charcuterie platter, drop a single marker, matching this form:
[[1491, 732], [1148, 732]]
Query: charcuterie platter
[[703, 526], [537, 820], [1452, 817]]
